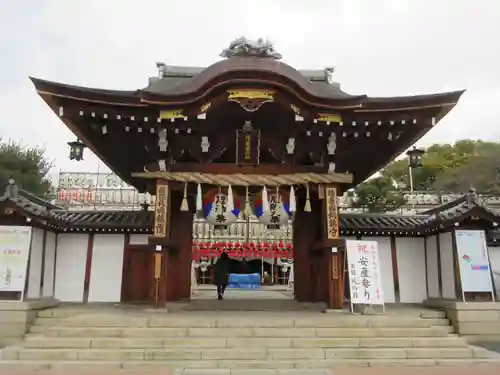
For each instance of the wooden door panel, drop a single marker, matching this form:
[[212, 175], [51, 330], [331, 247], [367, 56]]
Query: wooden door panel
[[138, 275]]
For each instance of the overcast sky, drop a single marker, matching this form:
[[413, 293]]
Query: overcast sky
[[379, 47]]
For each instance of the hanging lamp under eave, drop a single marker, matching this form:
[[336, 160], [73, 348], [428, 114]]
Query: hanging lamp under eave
[[76, 150]]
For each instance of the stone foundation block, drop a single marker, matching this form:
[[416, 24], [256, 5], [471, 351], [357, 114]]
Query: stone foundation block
[[388, 342], [432, 314], [345, 332], [16, 367], [168, 354], [292, 354], [284, 332], [171, 321], [330, 321], [152, 332], [267, 323], [10, 330], [439, 353], [162, 365], [259, 342], [220, 332], [127, 343], [409, 332], [48, 354], [243, 354], [254, 365], [111, 355], [331, 363], [244, 371], [70, 367], [57, 343], [478, 328], [325, 343], [362, 353], [402, 363], [212, 371], [438, 342]]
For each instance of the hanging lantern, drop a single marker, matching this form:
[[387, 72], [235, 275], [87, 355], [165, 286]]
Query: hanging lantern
[[216, 209], [76, 150], [204, 266], [277, 212]]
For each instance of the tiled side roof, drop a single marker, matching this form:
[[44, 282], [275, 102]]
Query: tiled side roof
[[350, 223], [144, 221], [28, 206], [456, 209], [106, 219]]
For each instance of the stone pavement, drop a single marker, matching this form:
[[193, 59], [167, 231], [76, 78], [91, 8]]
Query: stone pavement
[[478, 369]]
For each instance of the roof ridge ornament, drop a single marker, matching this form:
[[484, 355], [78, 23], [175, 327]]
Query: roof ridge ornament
[[11, 189], [250, 48], [329, 74]]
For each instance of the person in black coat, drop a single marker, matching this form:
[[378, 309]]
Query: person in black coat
[[221, 274]]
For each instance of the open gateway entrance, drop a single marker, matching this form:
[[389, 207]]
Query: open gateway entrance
[[261, 265]]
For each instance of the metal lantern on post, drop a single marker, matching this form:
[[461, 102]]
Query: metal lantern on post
[[76, 150], [414, 161]]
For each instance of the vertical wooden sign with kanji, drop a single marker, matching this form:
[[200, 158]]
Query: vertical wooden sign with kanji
[[247, 145], [162, 209], [331, 213]]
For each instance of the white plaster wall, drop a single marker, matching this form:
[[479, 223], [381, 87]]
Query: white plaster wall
[[50, 259], [107, 267], [495, 266], [447, 269], [385, 259], [432, 266], [410, 252], [35, 263], [139, 239], [70, 266]]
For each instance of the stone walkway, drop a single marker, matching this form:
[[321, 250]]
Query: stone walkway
[[478, 369]]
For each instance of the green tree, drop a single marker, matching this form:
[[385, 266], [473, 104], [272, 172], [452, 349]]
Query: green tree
[[378, 195], [28, 166], [450, 168]]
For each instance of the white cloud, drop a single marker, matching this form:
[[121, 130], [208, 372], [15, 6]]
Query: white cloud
[[381, 48]]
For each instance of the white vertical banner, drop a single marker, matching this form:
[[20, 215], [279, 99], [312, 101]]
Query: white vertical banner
[[15, 244], [365, 279], [474, 261]]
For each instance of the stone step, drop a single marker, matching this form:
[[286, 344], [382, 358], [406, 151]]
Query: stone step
[[252, 354], [213, 342], [249, 304], [258, 320], [96, 332], [214, 366], [432, 314]]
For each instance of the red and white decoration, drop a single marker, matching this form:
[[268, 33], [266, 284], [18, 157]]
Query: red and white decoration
[[273, 208], [219, 208], [248, 250]]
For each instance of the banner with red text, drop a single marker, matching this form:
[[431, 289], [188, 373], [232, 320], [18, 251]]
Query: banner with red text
[[365, 279], [15, 242]]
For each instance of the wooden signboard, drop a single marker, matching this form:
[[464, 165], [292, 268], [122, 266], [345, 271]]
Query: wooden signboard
[[158, 258], [335, 267], [247, 146], [161, 210], [332, 213]]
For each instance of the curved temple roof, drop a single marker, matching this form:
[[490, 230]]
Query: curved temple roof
[[395, 122], [184, 85]]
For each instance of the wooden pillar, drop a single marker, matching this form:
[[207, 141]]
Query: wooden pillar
[[334, 262], [305, 227], [181, 236], [161, 235]]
